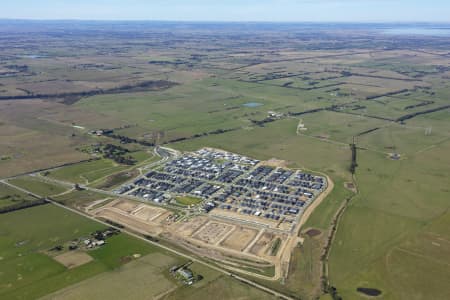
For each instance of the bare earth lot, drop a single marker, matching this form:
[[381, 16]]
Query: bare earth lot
[[73, 259], [211, 237], [240, 238]]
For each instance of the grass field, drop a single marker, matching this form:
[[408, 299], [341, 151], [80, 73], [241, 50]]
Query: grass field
[[77, 198], [305, 269], [220, 288], [87, 171], [115, 180], [10, 196], [37, 186], [398, 205], [141, 279], [26, 272], [339, 127], [187, 200]]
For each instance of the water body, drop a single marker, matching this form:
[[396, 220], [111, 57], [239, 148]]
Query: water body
[[252, 104], [34, 56], [418, 31], [369, 291]]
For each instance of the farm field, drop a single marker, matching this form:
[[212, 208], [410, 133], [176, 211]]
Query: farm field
[[142, 278], [222, 288], [10, 196], [79, 198], [124, 259], [37, 186], [87, 171], [21, 244]]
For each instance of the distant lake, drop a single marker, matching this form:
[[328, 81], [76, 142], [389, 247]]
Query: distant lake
[[252, 104], [34, 56], [418, 31]]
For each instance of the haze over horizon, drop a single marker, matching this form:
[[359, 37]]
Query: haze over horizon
[[232, 10]]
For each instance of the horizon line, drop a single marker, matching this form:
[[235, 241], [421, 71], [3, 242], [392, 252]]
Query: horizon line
[[224, 21]]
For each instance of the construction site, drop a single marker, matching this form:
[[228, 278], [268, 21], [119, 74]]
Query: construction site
[[248, 218]]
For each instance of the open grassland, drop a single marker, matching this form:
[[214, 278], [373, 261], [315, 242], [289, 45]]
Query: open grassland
[[397, 208], [329, 206], [37, 186], [338, 127], [87, 171], [114, 180], [79, 198], [220, 288], [141, 279], [199, 107], [403, 139], [37, 134], [28, 273], [10, 196], [28, 150], [305, 268]]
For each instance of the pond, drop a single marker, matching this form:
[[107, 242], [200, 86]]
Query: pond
[[252, 104], [369, 291]]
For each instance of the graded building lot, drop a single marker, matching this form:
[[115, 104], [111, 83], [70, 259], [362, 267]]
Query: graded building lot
[[209, 234], [151, 213], [128, 221], [239, 238], [190, 226], [212, 232], [126, 206], [263, 243], [232, 216], [73, 259]]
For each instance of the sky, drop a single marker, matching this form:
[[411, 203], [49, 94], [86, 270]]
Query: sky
[[231, 10]]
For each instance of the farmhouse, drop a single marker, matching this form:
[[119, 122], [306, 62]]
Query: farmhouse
[[186, 275]]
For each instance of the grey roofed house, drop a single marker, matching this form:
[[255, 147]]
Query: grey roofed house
[[186, 273]]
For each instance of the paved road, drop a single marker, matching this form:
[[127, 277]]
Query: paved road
[[194, 259]]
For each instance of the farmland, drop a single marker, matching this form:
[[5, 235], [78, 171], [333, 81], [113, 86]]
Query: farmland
[[292, 95], [10, 196], [38, 187], [120, 260], [86, 172], [22, 243]]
